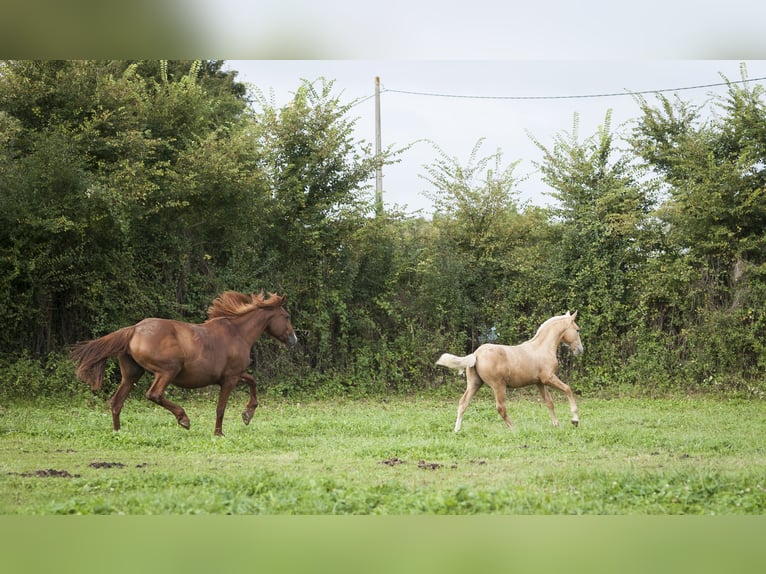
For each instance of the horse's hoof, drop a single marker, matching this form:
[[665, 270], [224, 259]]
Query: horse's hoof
[[185, 423], [575, 423], [247, 417]]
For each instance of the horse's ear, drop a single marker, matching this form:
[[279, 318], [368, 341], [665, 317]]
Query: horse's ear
[[280, 299], [574, 315]]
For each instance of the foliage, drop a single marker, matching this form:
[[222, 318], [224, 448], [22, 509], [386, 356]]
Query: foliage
[[102, 223], [306, 234], [711, 257], [483, 263], [604, 228], [145, 188]]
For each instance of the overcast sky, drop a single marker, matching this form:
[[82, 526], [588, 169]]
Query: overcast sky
[[455, 124], [481, 29]]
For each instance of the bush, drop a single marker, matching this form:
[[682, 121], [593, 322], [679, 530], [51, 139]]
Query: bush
[[28, 377]]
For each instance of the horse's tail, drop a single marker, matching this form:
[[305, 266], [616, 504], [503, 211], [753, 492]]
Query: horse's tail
[[455, 362], [91, 356]]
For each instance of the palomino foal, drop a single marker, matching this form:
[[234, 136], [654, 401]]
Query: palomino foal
[[531, 362]]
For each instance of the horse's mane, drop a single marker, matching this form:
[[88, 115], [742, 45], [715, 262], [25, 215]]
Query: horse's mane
[[234, 303]]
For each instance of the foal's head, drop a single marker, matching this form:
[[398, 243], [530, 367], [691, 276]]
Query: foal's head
[[571, 335]]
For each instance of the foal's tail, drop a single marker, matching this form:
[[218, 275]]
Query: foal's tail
[[91, 356], [455, 362]]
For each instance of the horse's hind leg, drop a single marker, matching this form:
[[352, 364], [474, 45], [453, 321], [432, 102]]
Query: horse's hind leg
[[223, 398], [252, 403], [131, 372], [548, 402], [154, 394], [473, 384]]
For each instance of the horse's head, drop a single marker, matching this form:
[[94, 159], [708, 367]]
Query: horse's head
[[279, 326], [571, 335]]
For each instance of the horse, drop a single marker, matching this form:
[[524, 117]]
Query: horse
[[531, 362], [216, 352]]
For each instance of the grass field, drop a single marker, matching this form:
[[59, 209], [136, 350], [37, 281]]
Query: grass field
[[697, 455]]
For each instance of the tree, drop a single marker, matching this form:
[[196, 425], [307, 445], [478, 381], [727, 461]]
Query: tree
[[98, 167], [715, 216], [603, 216], [306, 235], [475, 210]]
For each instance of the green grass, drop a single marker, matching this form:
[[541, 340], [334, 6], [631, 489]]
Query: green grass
[[695, 455]]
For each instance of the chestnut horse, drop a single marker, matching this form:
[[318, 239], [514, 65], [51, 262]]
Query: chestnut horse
[[532, 362], [191, 356]]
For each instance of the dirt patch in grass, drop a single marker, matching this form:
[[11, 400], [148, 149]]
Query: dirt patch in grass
[[47, 472], [102, 464], [393, 461]]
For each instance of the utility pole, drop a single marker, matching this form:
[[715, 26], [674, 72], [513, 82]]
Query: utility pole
[[378, 151]]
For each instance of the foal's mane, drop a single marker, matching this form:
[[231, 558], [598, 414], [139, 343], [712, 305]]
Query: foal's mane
[[234, 303], [548, 323]]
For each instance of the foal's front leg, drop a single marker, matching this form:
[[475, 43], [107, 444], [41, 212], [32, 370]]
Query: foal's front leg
[[252, 403], [548, 400], [554, 381]]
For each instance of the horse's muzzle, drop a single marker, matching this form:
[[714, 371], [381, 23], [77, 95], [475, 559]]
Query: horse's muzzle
[[291, 341]]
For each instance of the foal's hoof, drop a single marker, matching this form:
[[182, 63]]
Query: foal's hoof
[[575, 423], [247, 417]]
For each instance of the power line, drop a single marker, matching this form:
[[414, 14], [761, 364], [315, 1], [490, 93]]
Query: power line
[[569, 97]]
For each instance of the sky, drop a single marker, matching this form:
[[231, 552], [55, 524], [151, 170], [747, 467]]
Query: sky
[[487, 48], [456, 124], [481, 29]]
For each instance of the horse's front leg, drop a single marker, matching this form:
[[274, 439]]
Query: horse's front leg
[[227, 385], [252, 403]]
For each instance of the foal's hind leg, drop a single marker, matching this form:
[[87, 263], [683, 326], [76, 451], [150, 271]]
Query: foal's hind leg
[[131, 372], [548, 402], [473, 384], [247, 414], [499, 390], [154, 394]]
